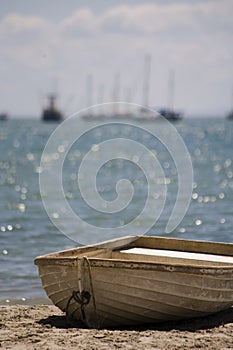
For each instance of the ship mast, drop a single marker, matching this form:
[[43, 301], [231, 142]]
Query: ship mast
[[146, 81], [116, 94], [171, 89]]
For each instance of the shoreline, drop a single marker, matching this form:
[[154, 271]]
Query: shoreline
[[26, 301], [45, 327]]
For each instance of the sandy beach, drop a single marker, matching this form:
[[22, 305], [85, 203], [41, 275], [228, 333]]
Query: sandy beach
[[46, 327]]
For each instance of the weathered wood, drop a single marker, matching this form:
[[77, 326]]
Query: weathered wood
[[128, 289]]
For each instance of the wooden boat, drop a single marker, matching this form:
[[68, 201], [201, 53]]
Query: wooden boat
[[139, 279]]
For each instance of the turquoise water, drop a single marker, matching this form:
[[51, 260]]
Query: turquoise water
[[26, 230]]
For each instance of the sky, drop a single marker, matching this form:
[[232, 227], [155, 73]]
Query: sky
[[59, 46]]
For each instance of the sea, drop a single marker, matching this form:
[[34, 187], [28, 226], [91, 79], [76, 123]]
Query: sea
[[189, 164]]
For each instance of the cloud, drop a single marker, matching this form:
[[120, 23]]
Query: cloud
[[81, 23], [17, 29], [193, 37]]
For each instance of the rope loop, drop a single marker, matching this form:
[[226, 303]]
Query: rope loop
[[82, 299]]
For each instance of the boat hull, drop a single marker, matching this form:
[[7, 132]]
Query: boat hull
[[121, 291]]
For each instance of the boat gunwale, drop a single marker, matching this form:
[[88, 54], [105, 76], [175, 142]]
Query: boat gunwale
[[142, 265], [169, 267], [91, 252], [111, 244]]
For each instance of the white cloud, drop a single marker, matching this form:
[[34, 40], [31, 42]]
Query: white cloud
[[81, 23], [18, 29], [193, 37]]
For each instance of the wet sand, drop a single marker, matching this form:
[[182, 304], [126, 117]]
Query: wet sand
[[46, 327]]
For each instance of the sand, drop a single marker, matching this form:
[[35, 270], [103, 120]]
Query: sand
[[46, 327]]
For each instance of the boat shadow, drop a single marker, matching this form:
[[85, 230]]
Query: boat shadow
[[216, 320]]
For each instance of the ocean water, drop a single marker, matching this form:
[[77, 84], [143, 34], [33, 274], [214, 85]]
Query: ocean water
[[26, 230]]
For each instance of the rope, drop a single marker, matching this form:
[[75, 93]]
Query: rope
[[82, 299], [85, 258]]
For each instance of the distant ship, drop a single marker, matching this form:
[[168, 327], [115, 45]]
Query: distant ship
[[170, 114], [230, 115], [51, 113], [143, 113], [3, 116], [166, 112]]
